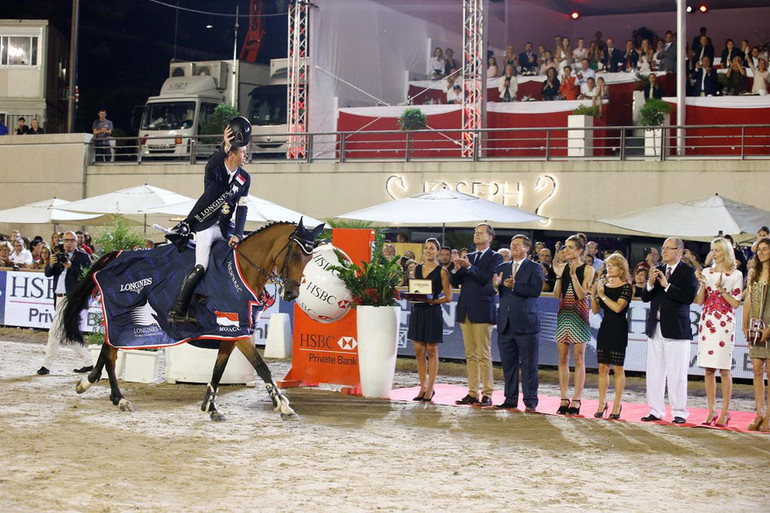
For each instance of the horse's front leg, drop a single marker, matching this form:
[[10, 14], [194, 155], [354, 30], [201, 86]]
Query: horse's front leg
[[280, 402], [107, 358], [209, 404]]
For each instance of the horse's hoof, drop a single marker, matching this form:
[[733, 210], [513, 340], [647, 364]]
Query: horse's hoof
[[125, 405], [289, 416], [83, 385], [217, 416]]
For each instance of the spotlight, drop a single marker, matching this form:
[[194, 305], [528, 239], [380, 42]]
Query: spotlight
[[575, 15], [689, 8], [703, 9]]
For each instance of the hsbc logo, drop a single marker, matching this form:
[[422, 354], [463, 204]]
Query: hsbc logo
[[343, 303], [347, 343]]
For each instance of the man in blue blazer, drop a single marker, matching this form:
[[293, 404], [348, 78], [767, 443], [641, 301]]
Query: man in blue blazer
[[705, 79], [670, 290], [519, 283], [476, 313]]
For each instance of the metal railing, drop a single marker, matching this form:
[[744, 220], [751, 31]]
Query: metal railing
[[663, 143]]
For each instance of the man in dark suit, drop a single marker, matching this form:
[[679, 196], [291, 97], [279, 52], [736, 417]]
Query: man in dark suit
[[476, 312], [705, 79], [66, 266], [528, 59], [613, 57], [630, 57], [670, 290], [669, 59], [653, 89], [519, 283]]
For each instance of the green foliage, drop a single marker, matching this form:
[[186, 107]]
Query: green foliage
[[372, 283], [412, 119], [584, 110], [222, 115], [119, 236], [653, 113], [349, 223]]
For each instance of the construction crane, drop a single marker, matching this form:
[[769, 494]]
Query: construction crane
[[253, 40]]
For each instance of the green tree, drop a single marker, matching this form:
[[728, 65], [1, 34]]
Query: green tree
[[221, 116]]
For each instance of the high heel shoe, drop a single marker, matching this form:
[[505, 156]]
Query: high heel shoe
[[564, 407], [600, 414], [754, 426], [726, 423], [711, 419], [616, 416], [427, 399], [574, 410], [420, 397]]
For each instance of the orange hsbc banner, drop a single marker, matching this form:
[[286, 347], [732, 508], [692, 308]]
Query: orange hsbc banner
[[328, 353]]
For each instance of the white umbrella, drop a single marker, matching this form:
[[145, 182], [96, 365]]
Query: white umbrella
[[259, 211], [702, 217], [43, 212], [441, 207], [143, 199]]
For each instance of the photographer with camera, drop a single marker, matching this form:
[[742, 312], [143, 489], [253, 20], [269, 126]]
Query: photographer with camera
[[66, 266]]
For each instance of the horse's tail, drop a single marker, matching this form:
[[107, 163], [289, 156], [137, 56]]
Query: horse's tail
[[77, 300]]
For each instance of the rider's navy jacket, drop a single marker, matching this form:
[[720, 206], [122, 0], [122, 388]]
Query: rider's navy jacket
[[220, 197]]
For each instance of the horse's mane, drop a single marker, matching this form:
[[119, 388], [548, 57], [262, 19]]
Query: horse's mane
[[269, 225]]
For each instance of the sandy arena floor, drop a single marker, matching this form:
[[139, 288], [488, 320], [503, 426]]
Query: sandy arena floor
[[64, 452]]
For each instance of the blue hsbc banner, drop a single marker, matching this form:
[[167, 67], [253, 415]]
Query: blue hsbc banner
[[2, 298]]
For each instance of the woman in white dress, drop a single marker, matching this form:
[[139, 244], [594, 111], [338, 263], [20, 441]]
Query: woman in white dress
[[719, 293], [761, 78], [563, 54], [646, 57], [437, 64]]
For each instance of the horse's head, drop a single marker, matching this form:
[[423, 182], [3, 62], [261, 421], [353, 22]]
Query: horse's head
[[300, 247]]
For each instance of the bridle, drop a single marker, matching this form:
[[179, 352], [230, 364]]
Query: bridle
[[281, 279]]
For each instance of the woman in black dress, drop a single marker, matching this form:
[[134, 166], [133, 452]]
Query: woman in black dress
[[426, 325], [612, 339], [551, 85]]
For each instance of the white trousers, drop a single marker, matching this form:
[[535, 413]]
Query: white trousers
[[668, 360], [203, 242], [52, 348]]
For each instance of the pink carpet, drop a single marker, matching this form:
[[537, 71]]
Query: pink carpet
[[632, 412]]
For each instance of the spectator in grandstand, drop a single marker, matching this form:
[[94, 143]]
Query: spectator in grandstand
[[703, 49], [652, 89], [699, 41], [455, 94], [45, 256], [592, 248], [563, 54], [754, 56], [5, 254], [705, 77], [630, 57], [728, 53], [762, 233], [568, 90], [528, 59], [549, 275], [584, 72], [81, 243], [588, 260], [572, 328], [595, 56], [602, 91], [761, 79], [34, 128], [548, 62], [613, 57], [550, 89], [21, 126], [389, 251], [506, 254], [436, 64], [20, 257], [492, 70], [612, 339], [737, 81], [588, 90], [691, 259], [646, 57], [599, 41], [450, 62], [445, 258], [510, 58], [640, 281], [508, 87], [667, 62], [580, 52]]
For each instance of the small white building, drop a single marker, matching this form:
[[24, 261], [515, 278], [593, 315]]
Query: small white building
[[34, 58]]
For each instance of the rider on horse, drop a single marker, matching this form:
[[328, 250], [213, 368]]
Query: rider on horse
[[226, 189]]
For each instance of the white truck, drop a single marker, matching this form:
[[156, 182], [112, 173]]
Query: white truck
[[171, 121]]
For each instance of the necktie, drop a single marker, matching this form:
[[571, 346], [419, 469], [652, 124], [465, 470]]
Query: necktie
[[515, 268], [668, 273]]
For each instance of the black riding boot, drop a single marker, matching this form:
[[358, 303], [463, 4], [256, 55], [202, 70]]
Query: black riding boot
[[180, 311]]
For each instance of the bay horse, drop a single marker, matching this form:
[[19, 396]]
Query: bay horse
[[277, 252]]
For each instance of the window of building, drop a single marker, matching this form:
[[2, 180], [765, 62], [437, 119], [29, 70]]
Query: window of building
[[18, 50]]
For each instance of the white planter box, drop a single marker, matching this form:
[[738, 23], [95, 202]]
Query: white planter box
[[377, 337], [653, 139], [580, 143], [190, 364], [120, 363], [141, 366]]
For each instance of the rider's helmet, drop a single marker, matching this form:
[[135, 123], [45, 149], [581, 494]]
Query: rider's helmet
[[241, 130]]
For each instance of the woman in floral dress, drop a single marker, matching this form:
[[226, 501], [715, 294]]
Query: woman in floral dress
[[719, 293]]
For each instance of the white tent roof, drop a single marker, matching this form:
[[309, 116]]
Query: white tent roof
[[143, 199], [42, 212]]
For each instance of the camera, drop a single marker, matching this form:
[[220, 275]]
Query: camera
[[61, 255]]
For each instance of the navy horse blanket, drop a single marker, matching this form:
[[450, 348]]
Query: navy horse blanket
[[139, 287]]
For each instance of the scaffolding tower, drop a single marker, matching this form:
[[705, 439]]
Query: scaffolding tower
[[474, 76], [296, 90]]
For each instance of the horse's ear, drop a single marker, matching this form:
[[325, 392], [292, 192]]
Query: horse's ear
[[318, 230], [300, 225]]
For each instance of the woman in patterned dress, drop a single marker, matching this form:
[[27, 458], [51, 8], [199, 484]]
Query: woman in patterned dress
[[719, 293], [572, 329], [757, 306]]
